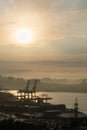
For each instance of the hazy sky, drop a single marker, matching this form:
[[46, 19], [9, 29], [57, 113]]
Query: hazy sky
[[59, 37]]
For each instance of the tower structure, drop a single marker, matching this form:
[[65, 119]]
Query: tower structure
[[76, 108]]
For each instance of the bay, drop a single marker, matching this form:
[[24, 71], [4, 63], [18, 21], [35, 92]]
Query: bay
[[67, 98]]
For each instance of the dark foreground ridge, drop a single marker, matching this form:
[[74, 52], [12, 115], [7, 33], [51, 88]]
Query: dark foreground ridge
[[43, 125]]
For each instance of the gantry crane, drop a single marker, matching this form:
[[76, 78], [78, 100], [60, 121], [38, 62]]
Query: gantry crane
[[26, 93]]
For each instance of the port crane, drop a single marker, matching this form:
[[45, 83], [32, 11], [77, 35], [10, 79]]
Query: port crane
[[28, 94]]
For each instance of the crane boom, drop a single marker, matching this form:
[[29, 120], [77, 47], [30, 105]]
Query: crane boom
[[27, 86]]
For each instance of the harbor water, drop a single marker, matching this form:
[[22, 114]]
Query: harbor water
[[66, 98]]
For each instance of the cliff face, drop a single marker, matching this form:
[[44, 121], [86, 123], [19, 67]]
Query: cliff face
[[60, 85]]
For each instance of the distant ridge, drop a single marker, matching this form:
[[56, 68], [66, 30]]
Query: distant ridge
[[46, 84]]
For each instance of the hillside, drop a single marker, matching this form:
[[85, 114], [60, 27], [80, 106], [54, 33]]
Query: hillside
[[46, 84]]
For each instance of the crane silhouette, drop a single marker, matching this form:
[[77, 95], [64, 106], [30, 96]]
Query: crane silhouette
[[34, 86], [27, 92], [27, 86]]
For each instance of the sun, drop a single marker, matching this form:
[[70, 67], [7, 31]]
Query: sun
[[23, 36]]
